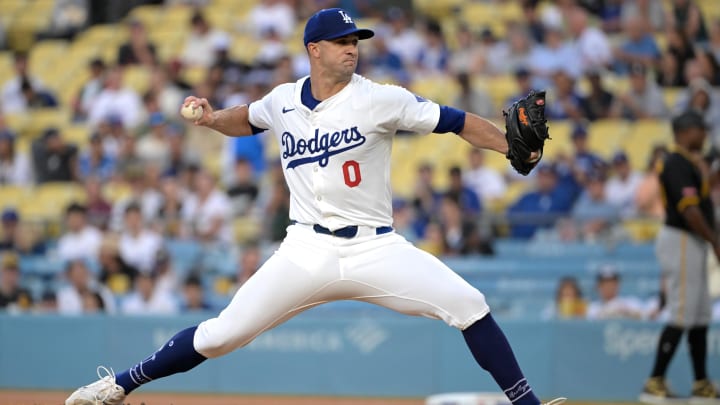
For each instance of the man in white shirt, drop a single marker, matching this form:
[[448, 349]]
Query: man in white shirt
[[200, 46], [138, 245], [620, 189], [116, 101], [591, 42], [208, 212], [148, 300], [610, 305], [81, 241], [80, 283], [487, 182]]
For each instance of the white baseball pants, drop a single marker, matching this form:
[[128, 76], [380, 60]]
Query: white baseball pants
[[309, 269]]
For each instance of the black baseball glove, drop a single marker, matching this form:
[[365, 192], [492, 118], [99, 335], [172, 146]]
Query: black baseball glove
[[526, 131]]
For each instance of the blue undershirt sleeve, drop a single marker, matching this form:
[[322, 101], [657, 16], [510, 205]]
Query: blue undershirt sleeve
[[451, 120], [256, 130]]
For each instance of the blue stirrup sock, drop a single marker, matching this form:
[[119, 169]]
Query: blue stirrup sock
[[491, 350], [176, 356]]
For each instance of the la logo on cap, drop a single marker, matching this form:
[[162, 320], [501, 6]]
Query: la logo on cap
[[345, 17]]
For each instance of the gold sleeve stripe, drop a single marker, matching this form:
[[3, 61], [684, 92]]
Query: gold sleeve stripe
[[688, 201]]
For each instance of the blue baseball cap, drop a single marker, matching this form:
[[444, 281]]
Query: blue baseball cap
[[331, 23]]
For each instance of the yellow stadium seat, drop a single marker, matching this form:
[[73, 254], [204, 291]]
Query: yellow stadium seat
[[440, 89], [194, 74], [13, 196], [559, 142], [671, 94], [605, 136], [149, 14], [16, 122], [244, 48], [438, 9], [514, 191], [479, 14], [99, 35], [116, 191], [78, 135], [59, 193], [500, 88], [41, 119], [137, 77], [643, 135], [246, 229], [176, 16], [641, 230]]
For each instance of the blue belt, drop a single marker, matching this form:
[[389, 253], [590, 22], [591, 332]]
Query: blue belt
[[346, 232]]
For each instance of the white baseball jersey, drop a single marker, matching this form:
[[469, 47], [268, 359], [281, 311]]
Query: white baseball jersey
[[338, 169]]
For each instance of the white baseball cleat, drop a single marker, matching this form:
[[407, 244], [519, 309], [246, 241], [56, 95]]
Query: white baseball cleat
[[102, 392], [556, 401]]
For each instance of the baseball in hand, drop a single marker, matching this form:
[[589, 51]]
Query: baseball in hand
[[191, 112]]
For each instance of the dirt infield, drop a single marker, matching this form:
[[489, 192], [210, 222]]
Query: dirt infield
[[57, 398]]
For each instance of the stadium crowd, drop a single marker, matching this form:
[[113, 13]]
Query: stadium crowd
[[178, 182]]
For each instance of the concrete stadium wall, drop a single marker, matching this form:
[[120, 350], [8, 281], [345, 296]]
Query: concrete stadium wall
[[362, 354]]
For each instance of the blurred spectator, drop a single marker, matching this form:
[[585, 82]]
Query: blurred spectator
[[473, 99], [569, 302], [277, 210], [181, 155], [425, 198], [89, 91], [644, 99], [170, 212], [199, 49], [435, 55], [13, 100], [596, 104], [584, 160], [620, 189], [19, 237], [404, 40], [468, 56], [141, 193], [639, 46], [67, 19], [511, 54], [593, 213], [80, 282], [36, 97], [53, 159], [138, 245], [48, 303], [243, 191], [251, 148], [610, 305], [13, 297], [95, 162], [145, 299], [610, 14], [15, 166], [708, 66], [272, 49], [681, 49], [81, 241], [460, 232], [92, 303], [116, 101], [277, 15], [669, 73], [153, 146], [686, 15], [403, 218], [139, 50], [208, 211], [592, 45], [250, 262], [539, 208], [384, 64], [650, 10], [566, 103], [702, 97], [485, 181], [533, 20], [165, 272], [193, 297], [115, 274], [167, 94], [551, 56], [648, 198], [714, 43], [524, 85], [98, 208], [464, 196], [433, 240]]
